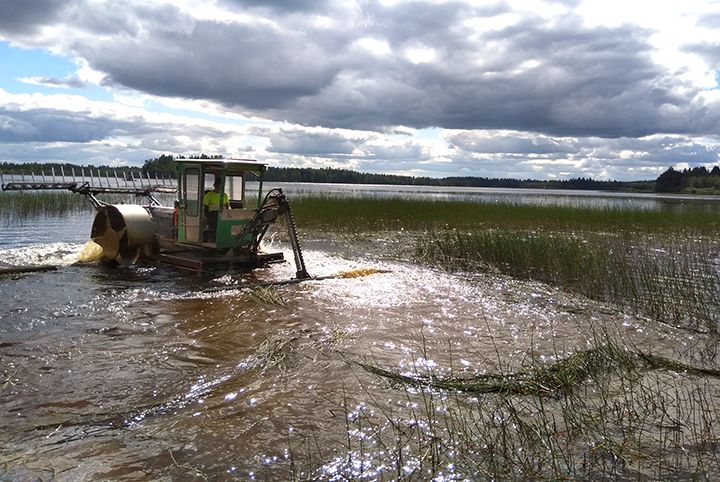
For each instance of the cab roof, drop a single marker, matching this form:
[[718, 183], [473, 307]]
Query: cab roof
[[226, 164]]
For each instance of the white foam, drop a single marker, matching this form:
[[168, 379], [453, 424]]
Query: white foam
[[48, 254]]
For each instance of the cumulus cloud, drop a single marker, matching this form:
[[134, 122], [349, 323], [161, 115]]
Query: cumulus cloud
[[487, 67], [620, 158], [493, 142], [528, 91]]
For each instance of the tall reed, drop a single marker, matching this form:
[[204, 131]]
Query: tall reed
[[33, 203], [676, 282], [363, 215]]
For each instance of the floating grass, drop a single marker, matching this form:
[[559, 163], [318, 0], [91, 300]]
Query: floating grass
[[268, 295], [563, 376], [607, 413], [275, 352], [360, 272]]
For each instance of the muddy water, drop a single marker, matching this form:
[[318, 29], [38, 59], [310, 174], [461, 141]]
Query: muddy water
[[149, 373]]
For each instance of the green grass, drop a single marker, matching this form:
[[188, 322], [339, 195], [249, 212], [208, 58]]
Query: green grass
[[371, 215]]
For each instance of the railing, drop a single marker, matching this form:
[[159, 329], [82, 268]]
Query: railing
[[128, 181], [92, 184]]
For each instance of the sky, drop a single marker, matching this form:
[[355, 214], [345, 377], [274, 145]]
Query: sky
[[530, 89]]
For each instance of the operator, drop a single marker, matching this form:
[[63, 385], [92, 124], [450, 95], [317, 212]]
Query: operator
[[211, 201]]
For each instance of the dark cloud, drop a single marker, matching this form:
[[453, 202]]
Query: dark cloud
[[580, 82], [308, 143], [556, 77], [25, 16], [709, 51], [238, 65], [280, 5], [47, 125]]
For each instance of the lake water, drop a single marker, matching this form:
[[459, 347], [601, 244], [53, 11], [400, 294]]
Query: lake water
[[149, 373], [559, 197]]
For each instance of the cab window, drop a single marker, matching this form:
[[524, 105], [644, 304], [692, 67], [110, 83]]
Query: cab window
[[235, 189]]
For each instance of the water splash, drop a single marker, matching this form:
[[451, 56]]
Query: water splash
[[51, 254]]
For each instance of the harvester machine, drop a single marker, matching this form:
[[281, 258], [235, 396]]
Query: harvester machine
[[211, 224]]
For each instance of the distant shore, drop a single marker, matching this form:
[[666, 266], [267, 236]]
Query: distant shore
[[695, 181]]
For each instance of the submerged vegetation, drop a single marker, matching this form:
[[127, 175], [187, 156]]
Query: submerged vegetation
[[607, 413], [616, 416]]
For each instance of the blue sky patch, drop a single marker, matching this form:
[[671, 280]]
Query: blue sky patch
[[18, 63]]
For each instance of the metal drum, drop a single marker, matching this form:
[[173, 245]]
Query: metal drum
[[122, 230]]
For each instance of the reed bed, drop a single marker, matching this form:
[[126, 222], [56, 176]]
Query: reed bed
[[392, 214], [33, 203], [671, 280], [23, 204], [370, 215]]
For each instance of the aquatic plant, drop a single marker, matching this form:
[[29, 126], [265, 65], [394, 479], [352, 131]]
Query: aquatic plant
[[34, 203], [39, 202], [549, 379], [609, 412], [372, 215], [268, 295], [668, 279]]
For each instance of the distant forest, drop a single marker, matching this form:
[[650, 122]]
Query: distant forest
[[697, 180], [166, 164]]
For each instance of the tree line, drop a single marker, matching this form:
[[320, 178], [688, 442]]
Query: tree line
[[696, 180]]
